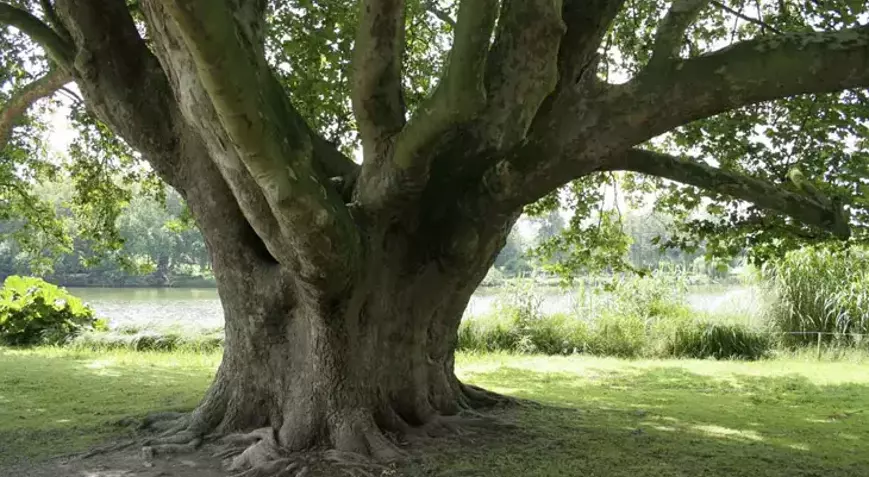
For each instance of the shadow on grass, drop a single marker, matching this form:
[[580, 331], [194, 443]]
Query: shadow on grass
[[55, 403], [666, 421], [628, 420]]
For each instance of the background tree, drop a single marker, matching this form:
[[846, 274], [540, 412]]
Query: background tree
[[512, 259], [343, 284]]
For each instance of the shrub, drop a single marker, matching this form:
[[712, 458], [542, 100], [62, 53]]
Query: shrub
[[715, 340], [491, 332], [493, 278], [656, 295], [148, 341], [617, 335], [818, 289], [33, 311], [559, 333]]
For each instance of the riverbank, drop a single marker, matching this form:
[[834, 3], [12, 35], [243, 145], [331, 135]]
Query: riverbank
[[599, 416], [158, 308]]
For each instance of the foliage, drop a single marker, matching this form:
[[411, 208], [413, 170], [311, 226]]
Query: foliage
[[160, 247], [661, 293], [642, 316], [512, 260], [819, 289], [33, 311], [144, 340], [494, 277], [720, 341]]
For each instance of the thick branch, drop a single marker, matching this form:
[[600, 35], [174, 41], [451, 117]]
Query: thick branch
[[18, 104], [461, 92], [816, 211], [578, 134], [59, 50], [271, 139], [587, 23], [459, 97], [749, 72], [120, 79], [377, 58], [53, 21], [522, 69], [671, 31]]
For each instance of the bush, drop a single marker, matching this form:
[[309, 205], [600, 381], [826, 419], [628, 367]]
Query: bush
[[559, 333], [493, 278], [491, 332], [33, 311], [818, 289], [720, 341], [660, 294], [618, 335], [148, 341], [645, 316]]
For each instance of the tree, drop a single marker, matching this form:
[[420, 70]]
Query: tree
[[343, 285], [511, 258], [153, 233]]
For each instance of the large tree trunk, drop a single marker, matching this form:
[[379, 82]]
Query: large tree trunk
[[342, 371]]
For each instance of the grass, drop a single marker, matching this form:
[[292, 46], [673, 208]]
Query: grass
[[57, 400], [793, 416]]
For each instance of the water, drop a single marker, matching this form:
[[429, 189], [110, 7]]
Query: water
[[195, 308], [189, 308]]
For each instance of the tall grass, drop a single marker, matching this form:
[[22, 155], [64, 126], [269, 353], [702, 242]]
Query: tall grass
[[818, 289], [640, 317]]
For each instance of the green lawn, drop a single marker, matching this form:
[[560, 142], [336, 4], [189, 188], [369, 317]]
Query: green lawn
[[600, 417]]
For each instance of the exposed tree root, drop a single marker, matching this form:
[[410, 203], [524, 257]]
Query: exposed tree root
[[359, 447], [176, 436], [106, 449], [482, 399], [165, 421], [263, 457]]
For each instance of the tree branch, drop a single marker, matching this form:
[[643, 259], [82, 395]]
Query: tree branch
[[587, 23], [376, 80], [20, 101], [272, 141], [763, 25], [522, 69], [458, 98], [53, 21], [671, 30], [748, 72], [58, 50], [816, 211], [461, 92], [578, 136], [443, 16]]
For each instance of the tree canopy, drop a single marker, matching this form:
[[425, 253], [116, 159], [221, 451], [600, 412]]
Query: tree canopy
[[760, 115], [776, 102]]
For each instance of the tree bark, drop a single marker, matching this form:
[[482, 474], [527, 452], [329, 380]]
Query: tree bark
[[342, 372]]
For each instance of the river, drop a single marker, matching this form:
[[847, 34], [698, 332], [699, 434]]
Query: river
[[195, 308]]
